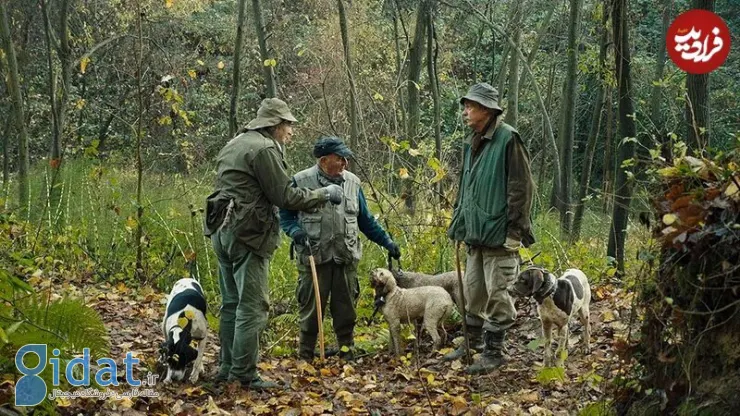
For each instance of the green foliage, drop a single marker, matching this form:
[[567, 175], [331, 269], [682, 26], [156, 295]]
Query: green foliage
[[602, 408], [549, 375]]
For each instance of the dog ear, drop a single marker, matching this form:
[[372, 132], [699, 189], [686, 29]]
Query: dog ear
[[536, 279]]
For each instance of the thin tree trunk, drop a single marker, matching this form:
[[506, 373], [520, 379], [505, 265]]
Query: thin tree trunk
[[594, 131], [353, 129], [234, 106], [623, 185], [501, 77], [567, 127], [269, 72], [543, 161], [415, 60], [660, 59], [399, 68], [512, 97], [434, 87], [139, 273], [536, 47], [697, 106], [14, 89], [6, 148], [608, 173]]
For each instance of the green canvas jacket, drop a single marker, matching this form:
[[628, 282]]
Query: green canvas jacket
[[495, 195], [251, 172]]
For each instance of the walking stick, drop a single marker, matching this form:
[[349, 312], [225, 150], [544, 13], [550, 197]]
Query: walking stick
[[318, 300], [462, 297]]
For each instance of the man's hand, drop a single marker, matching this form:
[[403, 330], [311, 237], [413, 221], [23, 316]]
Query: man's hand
[[512, 244], [300, 237], [335, 193], [393, 250]]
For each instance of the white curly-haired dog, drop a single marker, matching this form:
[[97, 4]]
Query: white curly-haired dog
[[558, 300], [430, 303], [448, 281]]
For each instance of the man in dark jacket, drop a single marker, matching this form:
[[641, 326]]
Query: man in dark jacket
[[492, 217], [242, 221], [331, 235]]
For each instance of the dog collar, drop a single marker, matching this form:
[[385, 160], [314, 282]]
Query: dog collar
[[547, 289]]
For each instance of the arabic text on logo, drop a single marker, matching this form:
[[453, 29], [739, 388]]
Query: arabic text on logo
[[698, 41]]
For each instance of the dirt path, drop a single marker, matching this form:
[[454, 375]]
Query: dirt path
[[373, 384]]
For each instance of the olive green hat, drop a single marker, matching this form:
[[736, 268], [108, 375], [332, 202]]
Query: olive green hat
[[272, 112], [483, 94]]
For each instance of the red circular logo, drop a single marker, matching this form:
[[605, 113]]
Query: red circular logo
[[698, 41]]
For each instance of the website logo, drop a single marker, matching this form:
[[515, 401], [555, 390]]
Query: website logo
[[31, 389], [698, 41]]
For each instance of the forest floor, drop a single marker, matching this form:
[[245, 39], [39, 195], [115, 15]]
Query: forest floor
[[373, 384]]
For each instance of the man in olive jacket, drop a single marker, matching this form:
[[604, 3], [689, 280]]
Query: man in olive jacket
[[492, 217], [242, 221], [332, 234]]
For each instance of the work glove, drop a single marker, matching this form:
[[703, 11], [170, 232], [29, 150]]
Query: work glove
[[335, 194], [300, 237], [393, 250]]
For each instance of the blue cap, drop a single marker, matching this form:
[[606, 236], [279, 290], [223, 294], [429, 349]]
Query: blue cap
[[327, 145]]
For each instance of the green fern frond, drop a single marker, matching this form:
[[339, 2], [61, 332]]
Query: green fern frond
[[66, 324]]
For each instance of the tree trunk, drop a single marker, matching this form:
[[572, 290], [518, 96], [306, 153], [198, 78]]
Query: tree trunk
[[269, 71], [234, 106], [139, 272], [353, 129], [512, 96], [594, 131], [434, 87], [501, 77], [543, 160], [416, 54], [656, 92], [536, 47], [697, 107], [6, 150], [623, 185], [14, 89], [567, 126], [608, 172]]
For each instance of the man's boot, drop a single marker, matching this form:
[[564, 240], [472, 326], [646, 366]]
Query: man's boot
[[476, 343], [493, 354], [306, 346]]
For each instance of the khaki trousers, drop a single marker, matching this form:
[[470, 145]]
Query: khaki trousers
[[488, 274]]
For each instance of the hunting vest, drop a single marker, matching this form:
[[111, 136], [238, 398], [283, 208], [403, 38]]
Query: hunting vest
[[333, 229], [481, 217]]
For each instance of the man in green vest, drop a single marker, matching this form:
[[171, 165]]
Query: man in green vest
[[492, 217], [242, 221], [331, 235]]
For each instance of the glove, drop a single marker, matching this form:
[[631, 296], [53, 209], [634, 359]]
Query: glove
[[393, 250], [335, 194], [300, 237]]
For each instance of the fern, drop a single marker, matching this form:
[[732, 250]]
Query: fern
[[66, 324]]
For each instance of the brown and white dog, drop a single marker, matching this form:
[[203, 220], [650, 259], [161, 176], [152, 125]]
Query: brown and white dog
[[430, 303], [184, 323], [558, 300]]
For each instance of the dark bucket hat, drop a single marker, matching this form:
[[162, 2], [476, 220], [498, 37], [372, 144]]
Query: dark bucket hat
[[272, 112], [483, 94]]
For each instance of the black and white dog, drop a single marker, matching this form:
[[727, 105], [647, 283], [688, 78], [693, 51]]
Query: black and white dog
[[184, 322], [557, 301]]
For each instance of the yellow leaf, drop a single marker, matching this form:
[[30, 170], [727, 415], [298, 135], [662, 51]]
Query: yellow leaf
[[669, 219], [182, 322], [190, 314], [414, 152], [168, 3], [221, 65], [270, 62], [378, 97], [192, 73], [430, 379], [403, 173], [668, 172], [200, 62], [80, 104], [732, 190], [131, 222], [83, 63]]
